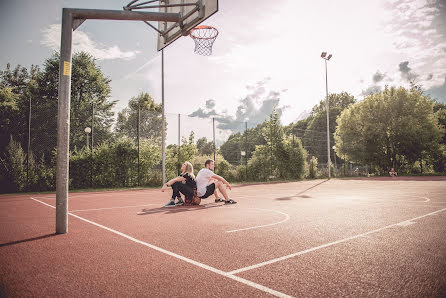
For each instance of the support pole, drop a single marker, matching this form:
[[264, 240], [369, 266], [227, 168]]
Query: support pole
[[213, 136], [29, 145], [163, 135], [179, 143], [63, 124], [328, 121], [246, 149], [139, 119]]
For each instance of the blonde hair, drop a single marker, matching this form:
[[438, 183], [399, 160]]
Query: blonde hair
[[190, 169]]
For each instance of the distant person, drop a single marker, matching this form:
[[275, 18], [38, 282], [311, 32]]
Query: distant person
[[208, 183], [393, 173], [185, 184]]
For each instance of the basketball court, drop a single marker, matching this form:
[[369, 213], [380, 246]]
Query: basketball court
[[371, 237]]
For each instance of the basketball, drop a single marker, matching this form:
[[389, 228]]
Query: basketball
[[196, 200]]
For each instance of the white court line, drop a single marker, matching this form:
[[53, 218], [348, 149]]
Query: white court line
[[198, 264], [332, 243], [119, 207], [287, 217]]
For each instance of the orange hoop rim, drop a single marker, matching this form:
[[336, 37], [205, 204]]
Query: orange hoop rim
[[203, 27]]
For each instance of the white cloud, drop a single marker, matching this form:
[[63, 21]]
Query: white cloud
[[82, 42]]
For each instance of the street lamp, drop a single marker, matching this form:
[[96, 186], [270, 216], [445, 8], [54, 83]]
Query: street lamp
[[87, 131], [323, 56], [334, 153]]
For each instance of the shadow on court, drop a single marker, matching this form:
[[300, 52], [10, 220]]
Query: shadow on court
[[300, 194], [27, 240], [178, 209]]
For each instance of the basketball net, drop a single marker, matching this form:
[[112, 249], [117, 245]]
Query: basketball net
[[204, 37]]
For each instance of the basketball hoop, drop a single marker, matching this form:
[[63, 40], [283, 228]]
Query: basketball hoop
[[204, 37]]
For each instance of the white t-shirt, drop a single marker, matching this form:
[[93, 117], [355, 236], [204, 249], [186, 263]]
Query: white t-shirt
[[202, 179]]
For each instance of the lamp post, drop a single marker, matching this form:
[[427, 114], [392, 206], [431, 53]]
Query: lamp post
[[334, 155], [87, 131], [326, 58]]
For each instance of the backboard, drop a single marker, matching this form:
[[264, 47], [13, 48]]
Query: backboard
[[193, 12]]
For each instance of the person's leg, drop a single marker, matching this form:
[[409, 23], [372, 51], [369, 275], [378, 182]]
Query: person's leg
[[175, 194], [219, 185], [187, 191]]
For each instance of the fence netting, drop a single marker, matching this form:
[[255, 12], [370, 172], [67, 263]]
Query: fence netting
[[128, 153]]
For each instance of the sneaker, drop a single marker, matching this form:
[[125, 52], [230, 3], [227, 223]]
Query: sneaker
[[230, 201], [180, 202], [170, 204], [219, 200]]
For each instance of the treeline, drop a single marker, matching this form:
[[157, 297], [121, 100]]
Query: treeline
[[398, 127]]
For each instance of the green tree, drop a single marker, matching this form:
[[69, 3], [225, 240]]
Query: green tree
[[204, 147], [393, 128], [314, 138], [150, 119]]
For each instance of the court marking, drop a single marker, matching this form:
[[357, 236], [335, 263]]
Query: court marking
[[287, 217], [118, 207], [172, 254], [402, 223]]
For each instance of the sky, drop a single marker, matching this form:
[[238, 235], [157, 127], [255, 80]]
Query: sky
[[267, 55]]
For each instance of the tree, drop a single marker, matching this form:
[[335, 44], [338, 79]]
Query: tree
[[89, 86], [150, 122], [393, 128], [315, 135], [204, 147]]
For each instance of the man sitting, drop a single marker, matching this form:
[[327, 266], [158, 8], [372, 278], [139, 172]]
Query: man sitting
[[208, 183]]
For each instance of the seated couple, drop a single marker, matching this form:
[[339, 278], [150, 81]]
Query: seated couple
[[206, 183]]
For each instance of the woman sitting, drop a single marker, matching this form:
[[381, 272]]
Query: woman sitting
[[185, 184]]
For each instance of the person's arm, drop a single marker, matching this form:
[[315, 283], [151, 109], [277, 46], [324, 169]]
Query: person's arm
[[220, 178], [172, 181]]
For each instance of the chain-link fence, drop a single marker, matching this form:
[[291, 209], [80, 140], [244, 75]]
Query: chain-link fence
[[128, 153]]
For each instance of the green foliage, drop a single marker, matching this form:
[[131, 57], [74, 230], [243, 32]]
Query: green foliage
[[392, 128], [13, 170], [312, 171], [283, 157], [150, 119]]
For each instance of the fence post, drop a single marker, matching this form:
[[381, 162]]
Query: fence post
[[246, 149], [215, 148], [29, 145], [139, 118], [179, 144]]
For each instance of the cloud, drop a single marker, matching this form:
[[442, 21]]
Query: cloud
[[82, 42], [254, 108], [429, 77], [406, 71], [377, 77]]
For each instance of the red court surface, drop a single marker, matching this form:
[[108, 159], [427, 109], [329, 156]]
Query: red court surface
[[318, 238]]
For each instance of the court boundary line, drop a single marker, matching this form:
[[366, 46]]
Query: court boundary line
[[287, 217], [272, 261], [177, 256]]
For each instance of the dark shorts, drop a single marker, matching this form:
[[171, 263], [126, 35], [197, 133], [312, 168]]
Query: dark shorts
[[210, 189]]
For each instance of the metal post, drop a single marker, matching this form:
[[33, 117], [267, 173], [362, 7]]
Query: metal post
[[139, 117], [213, 135], [246, 149], [271, 151], [63, 123], [91, 148], [328, 123], [92, 124], [29, 145], [179, 144], [163, 136]]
